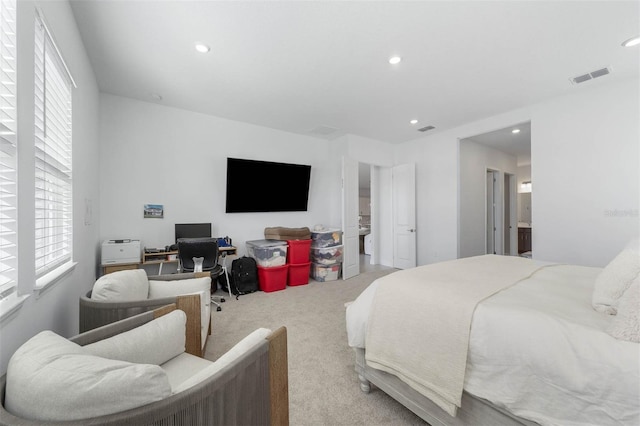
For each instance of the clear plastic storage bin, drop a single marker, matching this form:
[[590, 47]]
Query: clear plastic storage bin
[[325, 272], [326, 255], [268, 253], [326, 238]]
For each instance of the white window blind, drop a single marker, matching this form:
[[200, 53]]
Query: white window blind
[[8, 141], [53, 86]]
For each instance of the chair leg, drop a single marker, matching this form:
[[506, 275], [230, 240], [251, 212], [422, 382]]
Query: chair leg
[[213, 300], [226, 274]]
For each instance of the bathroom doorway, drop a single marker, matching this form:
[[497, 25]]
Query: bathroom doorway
[[365, 215]]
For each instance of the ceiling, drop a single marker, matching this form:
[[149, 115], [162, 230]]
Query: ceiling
[[517, 144], [320, 68]]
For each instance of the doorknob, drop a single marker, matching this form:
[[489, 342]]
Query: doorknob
[[412, 230]]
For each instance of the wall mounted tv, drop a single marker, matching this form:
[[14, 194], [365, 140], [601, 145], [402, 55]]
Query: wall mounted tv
[[264, 186]]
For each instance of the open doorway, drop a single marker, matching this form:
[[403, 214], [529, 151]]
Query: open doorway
[[489, 199], [365, 216]]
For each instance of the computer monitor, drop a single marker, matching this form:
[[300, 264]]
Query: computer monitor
[[193, 230]]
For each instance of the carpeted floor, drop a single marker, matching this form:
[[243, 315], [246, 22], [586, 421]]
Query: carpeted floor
[[323, 386]]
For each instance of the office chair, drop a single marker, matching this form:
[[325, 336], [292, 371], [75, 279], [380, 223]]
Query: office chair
[[190, 249]]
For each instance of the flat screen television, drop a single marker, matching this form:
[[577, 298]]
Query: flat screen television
[[192, 230], [264, 186]]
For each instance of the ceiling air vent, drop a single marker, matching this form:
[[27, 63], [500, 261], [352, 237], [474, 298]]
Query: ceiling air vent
[[590, 76], [424, 129], [323, 130]]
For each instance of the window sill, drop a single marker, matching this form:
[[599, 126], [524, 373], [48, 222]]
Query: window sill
[[47, 281], [10, 306]]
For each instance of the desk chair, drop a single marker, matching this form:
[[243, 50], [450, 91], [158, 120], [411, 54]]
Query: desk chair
[[207, 248]]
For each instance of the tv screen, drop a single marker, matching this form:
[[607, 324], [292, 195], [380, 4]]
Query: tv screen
[[192, 230], [264, 186]]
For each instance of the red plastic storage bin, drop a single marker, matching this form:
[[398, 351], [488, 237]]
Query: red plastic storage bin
[[273, 278], [298, 252], [299, 274]]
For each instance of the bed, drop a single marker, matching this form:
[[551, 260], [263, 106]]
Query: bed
[[501, 340]]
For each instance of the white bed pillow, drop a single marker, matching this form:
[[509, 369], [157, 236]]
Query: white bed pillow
[[155, 342], [626, 324], [615, 279], [122, 286], [159, 289], [50, 378]]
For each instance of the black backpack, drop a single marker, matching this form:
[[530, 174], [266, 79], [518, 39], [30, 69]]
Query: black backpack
[[243, 276]]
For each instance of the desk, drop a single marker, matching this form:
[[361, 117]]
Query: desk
[[109, 268], [160, 258]]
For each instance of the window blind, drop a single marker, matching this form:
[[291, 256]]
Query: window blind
[[53, 171], [8, 142]]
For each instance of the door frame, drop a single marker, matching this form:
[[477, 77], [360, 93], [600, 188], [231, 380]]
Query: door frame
[[493, 205], [511, 214]]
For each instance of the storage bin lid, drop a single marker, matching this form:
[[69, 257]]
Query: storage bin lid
[[267, 243], [327, 231]]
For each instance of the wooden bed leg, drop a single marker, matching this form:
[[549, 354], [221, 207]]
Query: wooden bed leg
[[365, 386]]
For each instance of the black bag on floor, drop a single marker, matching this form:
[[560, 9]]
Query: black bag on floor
[[244, 276]]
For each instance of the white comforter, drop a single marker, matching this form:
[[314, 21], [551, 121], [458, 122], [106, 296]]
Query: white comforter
[[539, 350]]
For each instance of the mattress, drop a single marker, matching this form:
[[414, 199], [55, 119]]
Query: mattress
[[540, 351]]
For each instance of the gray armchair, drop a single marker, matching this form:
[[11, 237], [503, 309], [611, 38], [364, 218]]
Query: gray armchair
[[247, 385], [97, 313]]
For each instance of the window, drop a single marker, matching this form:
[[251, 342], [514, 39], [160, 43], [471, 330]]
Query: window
[[53, 175], [8, 142]]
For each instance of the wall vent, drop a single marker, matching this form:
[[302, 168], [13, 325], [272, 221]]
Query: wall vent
[[590, 76], [424, 129]]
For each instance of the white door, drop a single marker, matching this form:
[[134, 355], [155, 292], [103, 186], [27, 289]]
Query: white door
[[350, 225], [404, 216]]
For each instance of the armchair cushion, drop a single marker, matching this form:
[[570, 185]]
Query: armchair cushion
[[159, 289], [122, 286], [155, 342], [66, 383], [227, 358]]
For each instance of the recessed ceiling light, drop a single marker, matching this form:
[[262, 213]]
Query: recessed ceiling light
[[633, 41], [514, 131], [413, 121], [395, 60], [202, 48]]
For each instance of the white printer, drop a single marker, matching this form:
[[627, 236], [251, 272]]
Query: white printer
[[116, 252]]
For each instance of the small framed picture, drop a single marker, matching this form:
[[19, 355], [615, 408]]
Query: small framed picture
[[153, 211]]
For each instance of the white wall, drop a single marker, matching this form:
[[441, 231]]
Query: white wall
[[436, 160], [152, 154], [585, 165], [437, 183], [57, 307], [475, 159], [524, 174], [585, 156]]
